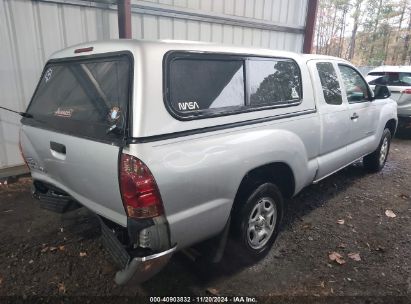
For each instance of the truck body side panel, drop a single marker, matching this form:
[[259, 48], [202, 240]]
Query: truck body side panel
[[198, 176]]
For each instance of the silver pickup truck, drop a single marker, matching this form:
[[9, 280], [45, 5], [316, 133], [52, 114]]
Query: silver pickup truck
[[174, 143]]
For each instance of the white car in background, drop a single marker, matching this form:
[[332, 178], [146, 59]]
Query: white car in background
[[398, 80]]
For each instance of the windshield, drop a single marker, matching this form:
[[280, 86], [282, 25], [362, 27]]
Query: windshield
[[88, 98]]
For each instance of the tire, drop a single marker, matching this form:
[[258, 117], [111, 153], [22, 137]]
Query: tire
[[257, 220], [375, 161]]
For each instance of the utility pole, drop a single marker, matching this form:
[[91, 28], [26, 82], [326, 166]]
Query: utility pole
[[310, 25], [124, 19]]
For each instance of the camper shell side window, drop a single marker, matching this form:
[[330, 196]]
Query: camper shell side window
[[202, 85]]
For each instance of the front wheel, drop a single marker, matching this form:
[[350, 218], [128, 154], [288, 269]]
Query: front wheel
[[258, 220], [375, 161]]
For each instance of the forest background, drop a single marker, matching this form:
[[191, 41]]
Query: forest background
[[365, 32]]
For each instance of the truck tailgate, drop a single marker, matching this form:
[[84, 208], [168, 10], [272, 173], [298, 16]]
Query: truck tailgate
[[88, 170]]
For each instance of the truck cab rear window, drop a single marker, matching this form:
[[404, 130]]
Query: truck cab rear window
[[329, 83], [86, 98]]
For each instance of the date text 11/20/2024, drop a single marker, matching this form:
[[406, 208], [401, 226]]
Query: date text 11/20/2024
[[205, 299]]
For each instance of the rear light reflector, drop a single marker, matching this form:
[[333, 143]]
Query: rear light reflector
[[83, 50], [139, 190], [407, 91]]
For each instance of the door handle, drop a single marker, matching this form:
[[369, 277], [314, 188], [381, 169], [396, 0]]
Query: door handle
[[59, 148], [354, 116]]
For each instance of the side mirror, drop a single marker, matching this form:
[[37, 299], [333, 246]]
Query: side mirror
[[381, 92]]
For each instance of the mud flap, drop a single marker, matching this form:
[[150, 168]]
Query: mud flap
[[117, 251], [54, 201]]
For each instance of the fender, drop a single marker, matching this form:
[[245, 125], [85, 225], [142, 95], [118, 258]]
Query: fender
[[388, 111]]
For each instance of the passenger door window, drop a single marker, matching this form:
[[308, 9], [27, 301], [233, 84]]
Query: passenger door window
[[273, 82], [329, 83], [355, 86]]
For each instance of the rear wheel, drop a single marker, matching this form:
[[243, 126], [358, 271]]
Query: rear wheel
[[375, 161], [258, 220]]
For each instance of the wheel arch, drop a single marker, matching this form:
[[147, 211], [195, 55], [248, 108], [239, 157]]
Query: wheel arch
[[392, 126], [278, 173]]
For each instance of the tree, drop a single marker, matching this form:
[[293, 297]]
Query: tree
[[380, 30], [397, 33], [356, 17], [406, 50], [376, 21], [331, 25]]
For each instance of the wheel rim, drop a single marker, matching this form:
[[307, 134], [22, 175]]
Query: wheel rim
[[383, 151], [261, 223]]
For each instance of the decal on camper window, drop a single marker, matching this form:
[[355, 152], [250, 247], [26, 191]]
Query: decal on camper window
[[191, 105], [114, 114], [63, 112], [294, 94], [47, 75]]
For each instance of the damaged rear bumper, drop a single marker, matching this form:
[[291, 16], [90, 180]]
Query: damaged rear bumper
[[151, 236], [144, 267], [141, 268]]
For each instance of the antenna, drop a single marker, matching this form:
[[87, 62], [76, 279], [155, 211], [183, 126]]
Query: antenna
[[23, 114]]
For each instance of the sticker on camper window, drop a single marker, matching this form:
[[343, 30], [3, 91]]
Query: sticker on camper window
[[47, 75], [191, 105], [294, 93], [114, 114], [63, 112]]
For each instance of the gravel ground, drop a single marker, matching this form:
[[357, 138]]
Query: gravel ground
[[47, 254]]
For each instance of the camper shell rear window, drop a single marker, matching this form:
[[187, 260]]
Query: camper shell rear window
[[201, 85], [85, 97]]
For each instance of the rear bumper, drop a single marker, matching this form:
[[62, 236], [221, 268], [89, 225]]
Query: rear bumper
[[142, 268]]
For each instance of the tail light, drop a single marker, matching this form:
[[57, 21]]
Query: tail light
[[139, 190], [407, 91]]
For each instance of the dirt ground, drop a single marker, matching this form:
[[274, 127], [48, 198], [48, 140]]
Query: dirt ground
[[47, 254]]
